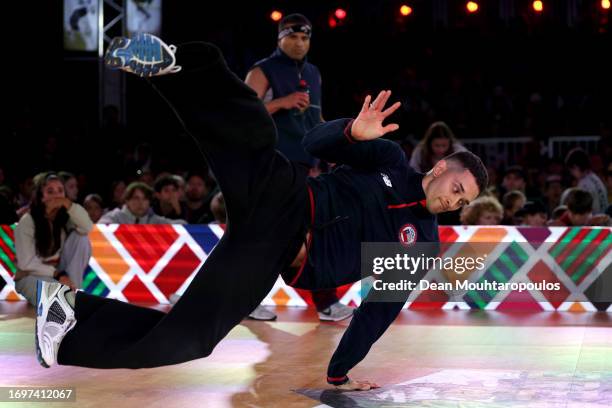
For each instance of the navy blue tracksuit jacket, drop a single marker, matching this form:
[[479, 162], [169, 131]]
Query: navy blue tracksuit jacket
[[373, 195]]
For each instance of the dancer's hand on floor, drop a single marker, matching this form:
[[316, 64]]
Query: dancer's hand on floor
[[368, 125], [353, 385]]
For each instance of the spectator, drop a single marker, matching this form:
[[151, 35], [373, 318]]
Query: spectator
[[439, 141], [557, 213], [181, 187], [578, 163], [137, 208], [533, 214], [51, 240], [512, 202], [197, 199], [514, 179], [484, 210], [166, 201], [117, 194], [94, 206], [579, 210], [70, 184], [552, 192]]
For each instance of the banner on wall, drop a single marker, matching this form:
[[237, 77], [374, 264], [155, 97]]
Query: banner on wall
[[149, 263], [144, 16], [81, 25]]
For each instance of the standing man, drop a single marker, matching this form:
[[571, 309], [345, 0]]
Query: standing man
[[290, 88]]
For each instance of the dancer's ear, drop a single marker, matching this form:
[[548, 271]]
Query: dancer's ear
[[439, 168]]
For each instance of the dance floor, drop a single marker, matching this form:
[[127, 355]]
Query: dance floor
[[426, 359]]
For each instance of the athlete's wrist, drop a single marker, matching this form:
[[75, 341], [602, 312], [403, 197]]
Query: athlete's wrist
[[348, 132]]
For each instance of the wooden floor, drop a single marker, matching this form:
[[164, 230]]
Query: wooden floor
[[426, 359]]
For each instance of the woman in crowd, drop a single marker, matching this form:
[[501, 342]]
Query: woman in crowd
[[51, 238], [439, 141]]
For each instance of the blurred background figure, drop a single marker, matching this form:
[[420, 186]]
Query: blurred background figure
[[533, 214], [512, 201], [94, 206], [136, 208], [439, 141], [579, 165], [484, 210]]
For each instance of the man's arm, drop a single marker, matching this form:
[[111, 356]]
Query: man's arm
[[257, 80], [333, 142], [370, 321], [357, 142], [374, 316]]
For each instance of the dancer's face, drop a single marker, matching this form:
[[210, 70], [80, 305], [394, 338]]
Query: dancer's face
[[295, 45], [451, 187]]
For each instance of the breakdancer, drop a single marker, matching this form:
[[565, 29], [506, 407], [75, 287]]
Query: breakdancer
[[309, 230]]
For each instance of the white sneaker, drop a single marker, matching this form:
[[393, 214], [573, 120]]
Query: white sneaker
[[336, 312], [261, 313], [144, 55], [54, 318]]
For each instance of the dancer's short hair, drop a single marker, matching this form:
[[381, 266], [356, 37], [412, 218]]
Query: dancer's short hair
[[471, 162]]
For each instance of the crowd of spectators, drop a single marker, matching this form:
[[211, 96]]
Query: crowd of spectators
[[574, 190]]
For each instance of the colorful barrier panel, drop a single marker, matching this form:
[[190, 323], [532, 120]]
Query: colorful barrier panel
[[148, 263]]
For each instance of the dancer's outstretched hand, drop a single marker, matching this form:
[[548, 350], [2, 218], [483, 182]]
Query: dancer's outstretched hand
[[353, 385], [369, 123]]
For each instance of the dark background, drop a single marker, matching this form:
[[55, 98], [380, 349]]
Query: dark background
[[533, 75]]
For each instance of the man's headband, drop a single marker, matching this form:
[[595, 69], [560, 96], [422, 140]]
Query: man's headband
[[306, 29]]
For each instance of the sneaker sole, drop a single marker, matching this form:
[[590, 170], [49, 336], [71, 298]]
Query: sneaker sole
[[142, 55], [331, 319], [39, 356], [262, 320]]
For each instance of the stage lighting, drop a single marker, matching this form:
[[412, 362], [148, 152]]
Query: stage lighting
[[276, 15], [405, 10], [538, 6], [472, 6], [340, 14], [605, 4]]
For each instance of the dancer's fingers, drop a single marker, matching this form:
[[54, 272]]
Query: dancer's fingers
[[366, 103], [389, 111], [374, 105], [391, 127], [384, 100]]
